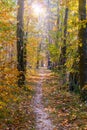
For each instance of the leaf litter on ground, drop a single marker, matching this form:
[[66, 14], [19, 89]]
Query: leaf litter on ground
[[66, 109]]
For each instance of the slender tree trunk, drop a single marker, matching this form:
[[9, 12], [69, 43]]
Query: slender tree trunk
[[55, 64], [83, 49], [49, 28], [65, 36], [63, 49], [20, 44]]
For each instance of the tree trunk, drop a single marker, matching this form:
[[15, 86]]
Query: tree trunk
[[63, 49], [65, 36], [20, 44], [49, 29], [83, 49]]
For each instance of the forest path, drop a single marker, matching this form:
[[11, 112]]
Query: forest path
[[43, 122]]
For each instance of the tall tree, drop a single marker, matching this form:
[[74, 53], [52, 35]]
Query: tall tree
[[20, 44], [65, 35], [83, 48], [63, 49]]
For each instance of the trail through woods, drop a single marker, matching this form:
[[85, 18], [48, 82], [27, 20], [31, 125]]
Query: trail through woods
[[43, 122]]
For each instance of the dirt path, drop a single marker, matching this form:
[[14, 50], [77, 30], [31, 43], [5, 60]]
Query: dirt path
[[43, 121]]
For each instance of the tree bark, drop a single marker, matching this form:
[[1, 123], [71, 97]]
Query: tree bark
[[20, 44], [63, 49], [83, 49]]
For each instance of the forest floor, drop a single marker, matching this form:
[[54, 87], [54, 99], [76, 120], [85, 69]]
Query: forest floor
[[17, 113], [66, 109], [55, 107], [44, 105], [43, 121]]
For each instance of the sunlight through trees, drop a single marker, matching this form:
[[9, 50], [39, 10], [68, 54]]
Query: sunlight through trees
[[41, 34]]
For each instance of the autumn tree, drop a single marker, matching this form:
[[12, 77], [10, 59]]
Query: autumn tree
[[20, 43], [63, 49], [83, 48], [64, 53]]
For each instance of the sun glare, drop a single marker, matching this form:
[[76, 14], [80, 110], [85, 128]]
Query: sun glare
[[38, 9]]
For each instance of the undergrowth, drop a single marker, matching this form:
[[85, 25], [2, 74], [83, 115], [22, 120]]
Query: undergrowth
[[15, 107]]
